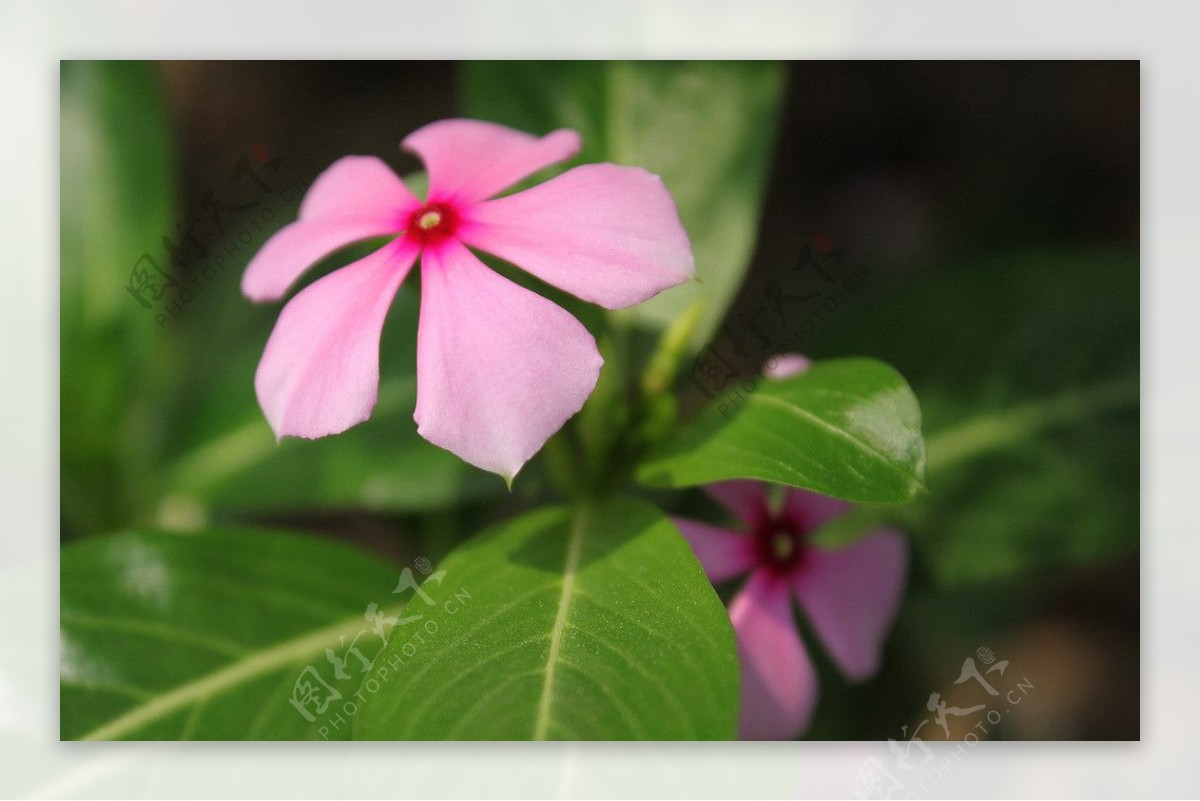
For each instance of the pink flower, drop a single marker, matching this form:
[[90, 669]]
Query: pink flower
[[850, 597], [499, 368]]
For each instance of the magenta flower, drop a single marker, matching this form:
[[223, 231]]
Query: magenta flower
[[850, 597], [499, 368]]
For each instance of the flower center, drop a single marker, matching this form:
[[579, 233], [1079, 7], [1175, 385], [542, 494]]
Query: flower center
[[780, 546], [431, 224]]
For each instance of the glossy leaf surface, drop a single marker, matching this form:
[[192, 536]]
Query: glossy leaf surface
[[850, 428], [590, 625]]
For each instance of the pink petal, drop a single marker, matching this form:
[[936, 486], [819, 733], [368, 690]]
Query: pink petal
[[499, 368], [811, 510], [746, 499], [779, 684], [356, 198], [722, 553], [472, 160], [357, 186], [786, 365], [610, 235], [319, 374], [851, 596]]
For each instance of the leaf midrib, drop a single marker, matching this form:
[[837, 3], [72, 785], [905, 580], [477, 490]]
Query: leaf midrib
[[254, 665], [566, 596]]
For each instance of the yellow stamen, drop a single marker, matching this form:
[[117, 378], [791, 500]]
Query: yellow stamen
[[782, 545], [430, 219]]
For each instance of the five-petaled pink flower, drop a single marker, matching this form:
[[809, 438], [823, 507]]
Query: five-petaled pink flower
[[499, 368], [850, 597]]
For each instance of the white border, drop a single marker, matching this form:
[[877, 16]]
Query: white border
[[34, 36]]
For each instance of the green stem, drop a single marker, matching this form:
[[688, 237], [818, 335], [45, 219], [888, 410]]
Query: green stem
[[672, 348], [561, 465], [991, 431]]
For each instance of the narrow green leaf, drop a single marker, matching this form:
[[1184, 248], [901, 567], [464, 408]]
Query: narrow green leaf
[[596, 624], [850, 428], [116, 204], [208, 636], [707, 128]]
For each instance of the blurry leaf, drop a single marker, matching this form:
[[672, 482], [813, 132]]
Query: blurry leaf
[[850, 428], [116, 204], [592, 625], [707, 128], [116, 188], [206, 636], [382, 464], [1027, 371]]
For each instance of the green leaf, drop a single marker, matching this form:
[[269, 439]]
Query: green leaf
[[596, 624], [850, 428], [205, 636], [1027, 368], [707, 128], [116, 204], [117, 186]]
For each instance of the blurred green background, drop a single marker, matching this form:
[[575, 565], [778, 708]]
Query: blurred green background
[[989, 212]]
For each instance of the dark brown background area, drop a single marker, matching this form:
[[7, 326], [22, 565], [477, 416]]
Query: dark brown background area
[[912, 161]]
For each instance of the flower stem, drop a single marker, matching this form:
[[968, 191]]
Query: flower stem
[[663, 367]]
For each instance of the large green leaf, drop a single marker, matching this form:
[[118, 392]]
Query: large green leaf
[[706, 127], [596, 624], [116, 204], [207, 636], [1027, 370], [850, 428]]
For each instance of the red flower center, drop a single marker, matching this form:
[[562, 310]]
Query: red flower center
[[781, 545], [431, 224]]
